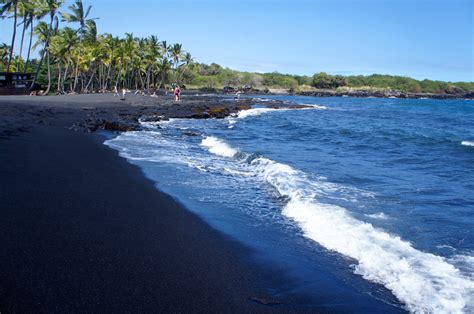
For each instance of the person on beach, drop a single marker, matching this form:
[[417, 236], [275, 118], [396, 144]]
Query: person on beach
[[116, 93], [237, 95], [177, 93]]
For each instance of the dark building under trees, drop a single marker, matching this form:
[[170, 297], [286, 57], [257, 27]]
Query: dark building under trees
[[15, 83]]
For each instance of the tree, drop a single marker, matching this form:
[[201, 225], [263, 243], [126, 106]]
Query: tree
[[60, 47], [42, 33], [152, 54], [45, 7], [322, 80], [4, 53], [188, 60], [164, 66], [78, 15], [11, 5]]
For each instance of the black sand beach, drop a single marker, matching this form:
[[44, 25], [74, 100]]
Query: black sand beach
[[83, 230]]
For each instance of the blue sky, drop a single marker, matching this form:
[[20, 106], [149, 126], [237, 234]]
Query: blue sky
[[419, 38]]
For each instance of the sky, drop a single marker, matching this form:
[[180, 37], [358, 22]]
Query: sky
[[431, 39]]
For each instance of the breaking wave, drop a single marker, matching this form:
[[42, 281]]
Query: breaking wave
[[423, 281]]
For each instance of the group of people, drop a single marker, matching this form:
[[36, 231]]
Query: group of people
[[175, 87]]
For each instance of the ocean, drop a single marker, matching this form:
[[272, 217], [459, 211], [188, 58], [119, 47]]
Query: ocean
[[363, 204]]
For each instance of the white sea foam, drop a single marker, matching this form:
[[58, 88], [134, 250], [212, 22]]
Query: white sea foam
[[321, 107], [256, 112], [380, 216], [219, 147], [259, 111], [426, 283], [467, 143]]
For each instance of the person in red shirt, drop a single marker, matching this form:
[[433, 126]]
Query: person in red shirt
[[177, 93]]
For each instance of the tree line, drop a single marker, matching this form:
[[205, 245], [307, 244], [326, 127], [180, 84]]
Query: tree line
[[74, 57], [214, 77]]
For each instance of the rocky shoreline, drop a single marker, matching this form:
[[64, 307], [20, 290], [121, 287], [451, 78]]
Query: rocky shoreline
[[385, 94], [95, 112], [196, 107], [361, 94]]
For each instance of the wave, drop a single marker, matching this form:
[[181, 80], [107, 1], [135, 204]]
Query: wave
[[259, 111], [256, 112], [423, 281], [321, 107], [219, 147], [467, 143]]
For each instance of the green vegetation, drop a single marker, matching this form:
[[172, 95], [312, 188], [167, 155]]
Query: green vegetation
[[76, 58], [217, 77]]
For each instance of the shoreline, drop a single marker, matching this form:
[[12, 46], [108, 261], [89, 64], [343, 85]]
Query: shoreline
[[354, 93], [80, 224], [84, 230]]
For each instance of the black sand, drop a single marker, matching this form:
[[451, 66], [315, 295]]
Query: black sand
[[82, 230]]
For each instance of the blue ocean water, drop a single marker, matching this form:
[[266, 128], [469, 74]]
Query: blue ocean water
[[364, 204]]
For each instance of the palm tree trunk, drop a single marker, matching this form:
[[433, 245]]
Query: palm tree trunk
[[21, 43], [118, 76], [49, 76], [65, 77], [108, 76], [15, 14], [89, 83], [141, 79], [58, 90], [76, 74], [148, 75], [31, 42], [126, 76]]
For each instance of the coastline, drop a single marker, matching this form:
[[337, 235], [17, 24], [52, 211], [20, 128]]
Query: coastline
[[84, 230], [362, 94]]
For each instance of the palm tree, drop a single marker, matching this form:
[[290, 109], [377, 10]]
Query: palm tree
[[26, 11], [60, 47], [110, 45], [129, 49], [152, 55], [78, 15], [176, 53], [42, 33], [164, 66], [81, 55], [165, 48], [34, 11], [188, 60], [31, 13], [4, 53], [47, 7], [11, 5]]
